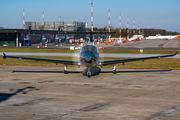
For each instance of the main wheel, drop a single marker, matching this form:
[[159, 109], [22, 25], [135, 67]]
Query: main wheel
[[114, 72], [65, 72]]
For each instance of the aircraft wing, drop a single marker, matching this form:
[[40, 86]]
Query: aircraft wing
[[41, 59], [134, 59]]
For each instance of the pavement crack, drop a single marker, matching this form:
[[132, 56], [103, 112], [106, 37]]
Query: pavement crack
[[93, 107]]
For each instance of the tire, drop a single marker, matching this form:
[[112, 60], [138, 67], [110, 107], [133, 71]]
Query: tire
[[65, 72], [114, 72]]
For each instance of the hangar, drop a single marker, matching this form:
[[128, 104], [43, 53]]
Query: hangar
[[18, 37], [37, 32]]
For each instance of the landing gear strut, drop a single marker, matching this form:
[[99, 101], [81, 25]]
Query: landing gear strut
[[89, 73], [65, 69], [114, 69]]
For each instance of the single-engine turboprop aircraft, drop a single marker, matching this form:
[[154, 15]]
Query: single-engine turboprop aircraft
[[89, 57]]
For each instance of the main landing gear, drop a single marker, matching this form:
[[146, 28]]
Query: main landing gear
[[114, 69], [65, 69]]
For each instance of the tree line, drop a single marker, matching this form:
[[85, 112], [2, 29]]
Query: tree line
[[146, 32]]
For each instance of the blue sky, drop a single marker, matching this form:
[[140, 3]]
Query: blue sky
[[161, 14]]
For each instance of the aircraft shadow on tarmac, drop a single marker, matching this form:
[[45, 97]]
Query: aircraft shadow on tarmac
[[47, 71], [6, 96], [136, 71]]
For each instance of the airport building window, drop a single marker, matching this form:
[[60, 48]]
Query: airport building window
[[7, 40]]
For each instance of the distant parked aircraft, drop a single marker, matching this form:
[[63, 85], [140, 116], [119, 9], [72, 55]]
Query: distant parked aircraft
[[167, 37]]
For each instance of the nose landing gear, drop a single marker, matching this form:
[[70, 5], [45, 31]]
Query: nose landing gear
[[114, 69]]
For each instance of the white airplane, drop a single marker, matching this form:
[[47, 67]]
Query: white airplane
[[167, 37], [89, 57]]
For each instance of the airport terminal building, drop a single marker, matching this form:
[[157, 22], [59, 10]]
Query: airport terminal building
[[41, 32]]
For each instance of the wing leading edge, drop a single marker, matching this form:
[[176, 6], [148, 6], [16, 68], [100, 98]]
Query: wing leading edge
[[41, 59], [134, 59], [76, 63]]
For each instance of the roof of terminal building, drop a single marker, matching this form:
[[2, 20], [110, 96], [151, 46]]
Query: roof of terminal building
[[27, 31]]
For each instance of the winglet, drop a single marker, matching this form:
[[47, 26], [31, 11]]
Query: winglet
[[5, 56], [175, 53]]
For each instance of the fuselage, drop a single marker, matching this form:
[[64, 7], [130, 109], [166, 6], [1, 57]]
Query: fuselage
[[162, 37], [89, 56]]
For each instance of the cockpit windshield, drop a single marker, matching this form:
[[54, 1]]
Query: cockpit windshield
[[89, 49]]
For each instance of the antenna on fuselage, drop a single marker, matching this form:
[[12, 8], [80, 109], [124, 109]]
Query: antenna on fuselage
[[91, 38]]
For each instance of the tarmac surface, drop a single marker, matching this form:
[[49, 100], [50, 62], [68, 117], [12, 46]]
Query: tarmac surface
[[28, 93], [161, 44]]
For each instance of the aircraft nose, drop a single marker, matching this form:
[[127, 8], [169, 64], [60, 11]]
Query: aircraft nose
[[88, 58]]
